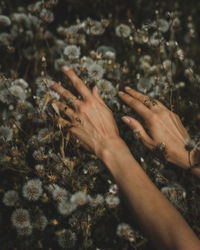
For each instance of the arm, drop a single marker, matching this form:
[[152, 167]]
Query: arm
[[163, 126], [157, 218], [92, 122]]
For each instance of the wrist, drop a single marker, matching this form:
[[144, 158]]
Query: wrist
[[112, 147], [185, 160]]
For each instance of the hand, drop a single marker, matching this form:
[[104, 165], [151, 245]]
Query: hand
[[90, 120], [165, 128]]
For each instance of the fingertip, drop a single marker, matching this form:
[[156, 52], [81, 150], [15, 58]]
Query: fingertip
[[126, 119], [95, 90], [127, 88], [65, 69]]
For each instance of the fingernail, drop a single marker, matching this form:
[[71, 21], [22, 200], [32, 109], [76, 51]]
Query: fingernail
[[49, 83], [65, 68], [121, 93], [126, 119], [97, 89], [127, 88]]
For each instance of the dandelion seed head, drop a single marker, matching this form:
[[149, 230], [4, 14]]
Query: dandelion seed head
[[112, 201], [107, 52], [46, 15], [174, 193], [113, 189], [72, 52], [4, 21], [123, 30], [20, 218], [95, 71], [66, 208], [59, 193], [21, 18], [79, 198], [6, 133], [20, 82], [98, 200], [25, 231], [18, 92], [144, 85], [97, 28], [67, 239], [40, 170], [106, 89], [10, 198], [32, 189], [124, 230], [163, 25], [41, 222]]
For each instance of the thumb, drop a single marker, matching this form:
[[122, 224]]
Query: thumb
[[137, 126]]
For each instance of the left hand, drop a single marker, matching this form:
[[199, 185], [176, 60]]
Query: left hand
[[90, 120], [164, 127]]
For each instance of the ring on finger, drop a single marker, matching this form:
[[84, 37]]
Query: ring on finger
[[78, 119], [150, 102]]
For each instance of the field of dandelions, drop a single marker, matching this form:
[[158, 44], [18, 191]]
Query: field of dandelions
[[54, 194]]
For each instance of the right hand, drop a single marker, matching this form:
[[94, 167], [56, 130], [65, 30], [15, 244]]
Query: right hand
[[89, 119], [163, 126]]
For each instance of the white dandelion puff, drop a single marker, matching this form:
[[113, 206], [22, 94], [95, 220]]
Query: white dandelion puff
[[72, 52], [59, 193], [98, 200], [6, 133], [95, 71], [18, 92], [79, 198], [41, 222], [20, 218], [4, 21], [97, 28], [106, 89], [124, 230], [67, 239], [123, 30], [32, 190], [163, 25], [112, 201], [144, 84], [25, 231], [20, 82], [10, 198], [66, 208]]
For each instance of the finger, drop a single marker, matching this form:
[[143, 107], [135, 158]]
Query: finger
[[140, 96], [61, 123], [66, 110], [139, 107], [66, 94], [95, 92], [136, 126], [77, 83]]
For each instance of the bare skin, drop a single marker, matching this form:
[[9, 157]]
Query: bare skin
[[163, 126], [92, 122]]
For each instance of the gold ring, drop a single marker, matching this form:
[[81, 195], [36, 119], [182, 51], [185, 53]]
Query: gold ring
[[150, 102], [78, 120]]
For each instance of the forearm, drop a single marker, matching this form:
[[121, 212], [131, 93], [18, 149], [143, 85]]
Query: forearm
[[159, 220]]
